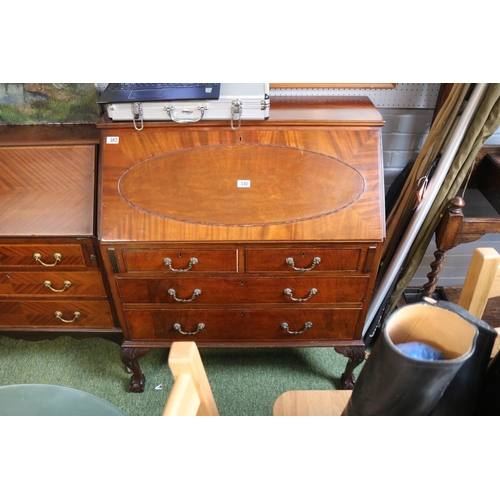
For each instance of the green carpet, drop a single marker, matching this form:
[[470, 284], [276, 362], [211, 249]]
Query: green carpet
[[245, 382]]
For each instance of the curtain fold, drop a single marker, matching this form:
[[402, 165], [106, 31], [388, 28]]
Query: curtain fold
[[484, 124]]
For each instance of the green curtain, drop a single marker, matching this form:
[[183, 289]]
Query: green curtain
[[484, 124]]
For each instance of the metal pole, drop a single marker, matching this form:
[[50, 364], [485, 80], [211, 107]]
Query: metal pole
[[423, 208]]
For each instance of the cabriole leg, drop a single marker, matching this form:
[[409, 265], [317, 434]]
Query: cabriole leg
[[129, 356], [356, 356]]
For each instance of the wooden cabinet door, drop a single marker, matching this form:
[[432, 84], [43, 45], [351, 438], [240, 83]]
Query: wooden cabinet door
[[47, 190]]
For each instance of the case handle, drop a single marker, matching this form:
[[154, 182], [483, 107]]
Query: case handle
[[185, 111]]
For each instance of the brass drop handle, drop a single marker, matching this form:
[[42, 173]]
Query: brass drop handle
[[289, 292], [38, 258], [291, 262], [192, 262], [178, 327], [48, 284], [306, 327], [173, 293], [76, 315]]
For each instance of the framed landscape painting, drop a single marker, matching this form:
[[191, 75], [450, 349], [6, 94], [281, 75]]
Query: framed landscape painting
[[48, 103]]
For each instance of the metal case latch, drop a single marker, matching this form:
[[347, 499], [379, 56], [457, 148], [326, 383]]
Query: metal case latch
[[236, 111], [137, 115]]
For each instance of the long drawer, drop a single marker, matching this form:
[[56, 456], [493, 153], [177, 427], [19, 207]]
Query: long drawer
[[56, 314], [46, 283], [243, 325], [244, 290], [42, 255]]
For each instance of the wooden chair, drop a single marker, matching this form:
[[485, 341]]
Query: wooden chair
[[482, 282], [191, 394]]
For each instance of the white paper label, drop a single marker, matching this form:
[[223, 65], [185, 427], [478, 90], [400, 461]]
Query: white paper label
[[243, 183], [112, 140]]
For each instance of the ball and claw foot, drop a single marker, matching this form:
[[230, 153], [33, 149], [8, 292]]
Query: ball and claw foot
[[356, 356]]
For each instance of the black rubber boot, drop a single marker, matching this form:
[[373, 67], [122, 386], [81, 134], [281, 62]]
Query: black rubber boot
[[461, 397], [392, 383], [489, 400]]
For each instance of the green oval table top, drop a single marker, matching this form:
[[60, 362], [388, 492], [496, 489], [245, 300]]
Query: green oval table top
[[52, 400]]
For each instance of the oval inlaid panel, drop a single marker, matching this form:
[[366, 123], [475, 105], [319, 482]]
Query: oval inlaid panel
[[241, 185]]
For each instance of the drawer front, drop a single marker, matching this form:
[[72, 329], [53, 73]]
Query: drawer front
[[181, 260], [54, 284], [291, 290], [256, 325], [42, 256], [56, 314], [296, 260]]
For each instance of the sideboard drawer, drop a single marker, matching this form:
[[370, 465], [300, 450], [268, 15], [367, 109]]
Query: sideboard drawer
[[249, 325], [302, 260], [46, 283], [56, 314], [42, 255], [287, 290], [181, 260]]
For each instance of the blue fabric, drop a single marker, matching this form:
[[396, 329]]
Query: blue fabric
[[419, 350]]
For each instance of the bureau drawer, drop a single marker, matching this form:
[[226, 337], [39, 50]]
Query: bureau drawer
[[181, 260], [254, 325], [56, 314], [42, 255], [288, 290], [296, 260], [45, 283]]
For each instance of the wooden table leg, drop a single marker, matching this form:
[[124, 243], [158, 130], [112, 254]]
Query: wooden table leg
[[446, 237]]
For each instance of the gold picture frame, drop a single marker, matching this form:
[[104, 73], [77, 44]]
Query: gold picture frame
[[332, 85]]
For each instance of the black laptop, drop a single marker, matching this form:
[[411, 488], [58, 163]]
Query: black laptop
[[143, 92]]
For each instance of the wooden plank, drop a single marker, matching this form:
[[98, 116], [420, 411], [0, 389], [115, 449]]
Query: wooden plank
[[481, 274], [183, 400], [184, 359], [311, 403]]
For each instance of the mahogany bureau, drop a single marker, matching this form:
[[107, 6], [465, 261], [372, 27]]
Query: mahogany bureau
[[269, 235], [51, 280]]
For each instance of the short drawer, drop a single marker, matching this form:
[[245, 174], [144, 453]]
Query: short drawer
[[56, 314], [296, 260], [287, 290], [254, 325], [46, 283], [181, 261], [42, 255]]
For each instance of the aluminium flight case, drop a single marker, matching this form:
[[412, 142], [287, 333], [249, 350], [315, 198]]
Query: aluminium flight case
[[237, 102]]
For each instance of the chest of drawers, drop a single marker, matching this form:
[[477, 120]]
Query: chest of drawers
[[266, 236], [51, 280], [52, 286]]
